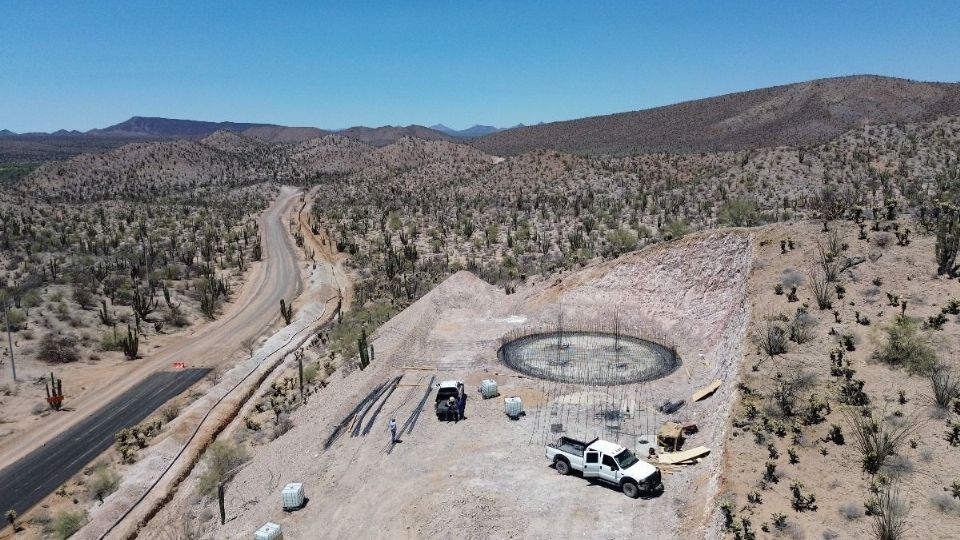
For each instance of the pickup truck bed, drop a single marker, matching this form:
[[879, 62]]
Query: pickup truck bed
[[570, 446]]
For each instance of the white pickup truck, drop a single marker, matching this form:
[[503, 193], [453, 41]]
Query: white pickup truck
[[605, 461]]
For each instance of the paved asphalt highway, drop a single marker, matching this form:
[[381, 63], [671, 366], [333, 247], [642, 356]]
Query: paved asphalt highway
[[29, 480], [41, 459]]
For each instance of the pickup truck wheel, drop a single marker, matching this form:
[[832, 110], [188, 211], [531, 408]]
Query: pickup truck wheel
[[562, 467], [630, 489]]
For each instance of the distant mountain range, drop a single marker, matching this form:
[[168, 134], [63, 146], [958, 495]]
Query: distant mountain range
[[794, 114], [145, 127]]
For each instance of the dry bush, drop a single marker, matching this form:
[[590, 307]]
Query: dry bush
[[822, 289], [945, 386], [830, 262], [877, 440], [771, 335], [851, 510], [787, 387], [170, 411], [222, 460], [801, 327], [882, 239], [904, 348], [890, 514], [58, 348], [103, 482], [66, 523]]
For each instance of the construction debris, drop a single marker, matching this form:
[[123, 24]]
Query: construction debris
[[673, 458], [706, 391], [670, 407], [670, 435]]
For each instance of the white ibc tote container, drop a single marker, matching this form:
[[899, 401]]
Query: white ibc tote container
[[292, 496], [488, 388], [513, 406], [270, 531]]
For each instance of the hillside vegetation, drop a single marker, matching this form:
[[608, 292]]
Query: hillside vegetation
[[795, 114]]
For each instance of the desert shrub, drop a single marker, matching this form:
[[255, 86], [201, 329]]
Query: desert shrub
[[281, 426], [889, 514], [740, 213], [822, 290], [66, 523], [945, 387], [787, 388], [621, 241], [221, 459], [801, 327], [58, 348], [675, 228], [771, 336], [935, 322], [17, 320], [310, 373], [906, 349], [791, 278], [851, 511], [945, 503], [170, 411], [111, 341], [876, 440], [83, 296], [800, 501], [882, 239], [103, 482]]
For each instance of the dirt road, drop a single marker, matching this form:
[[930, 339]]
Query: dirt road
[[255, 310]]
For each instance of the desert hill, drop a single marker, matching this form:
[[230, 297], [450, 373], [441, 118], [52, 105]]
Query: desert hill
[[384, 135], [140, 126], [283, 134], [794, 114]]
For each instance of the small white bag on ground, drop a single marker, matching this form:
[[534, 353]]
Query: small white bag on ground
[[270, 531], [488, 388], [292, 496], [513, 406]]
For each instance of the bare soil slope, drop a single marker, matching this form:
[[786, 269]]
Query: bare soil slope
[[486, 476]]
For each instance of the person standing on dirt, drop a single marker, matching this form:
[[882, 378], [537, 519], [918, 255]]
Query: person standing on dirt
[[462, 406], [393, 431], [452, 408]]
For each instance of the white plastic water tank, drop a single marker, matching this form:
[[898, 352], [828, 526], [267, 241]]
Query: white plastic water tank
[[513, 406], [488, 388], [292, 496], [270, 531]]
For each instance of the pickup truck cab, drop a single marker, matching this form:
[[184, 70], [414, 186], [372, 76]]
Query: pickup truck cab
[[447, 390], [607, 462]]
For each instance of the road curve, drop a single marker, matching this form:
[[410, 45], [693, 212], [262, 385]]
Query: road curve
[[256, 308]]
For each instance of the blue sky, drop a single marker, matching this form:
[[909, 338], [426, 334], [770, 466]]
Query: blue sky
[[80, 65]]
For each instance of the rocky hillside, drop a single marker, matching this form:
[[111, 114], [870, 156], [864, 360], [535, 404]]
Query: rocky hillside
[[140, 126], [382, 136], [282, 134], [795, 114], [149, 169]]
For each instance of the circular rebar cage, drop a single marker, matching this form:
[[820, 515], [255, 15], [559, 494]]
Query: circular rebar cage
[[589, 358]]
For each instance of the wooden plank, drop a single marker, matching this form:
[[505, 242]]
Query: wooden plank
[[671, 458], [706, 391], [420, 368]]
